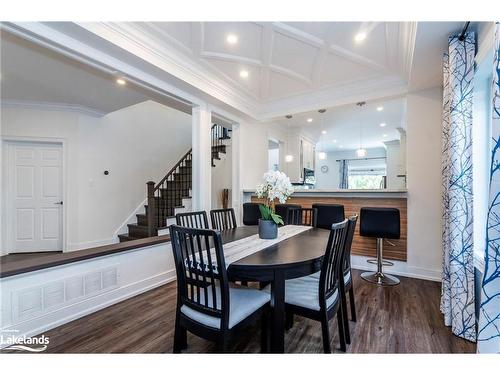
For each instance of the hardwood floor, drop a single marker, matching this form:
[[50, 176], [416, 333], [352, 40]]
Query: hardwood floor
[[400, 319]]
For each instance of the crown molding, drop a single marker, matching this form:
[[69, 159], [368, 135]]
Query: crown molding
[[135, 40], [370, 89], [48, 106], [407, 42]]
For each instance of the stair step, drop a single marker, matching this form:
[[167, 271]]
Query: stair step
[[136, 230], [219, 148], [126, 237]]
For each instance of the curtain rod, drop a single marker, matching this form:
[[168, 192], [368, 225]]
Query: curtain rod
[[380, 157], [464, 30]]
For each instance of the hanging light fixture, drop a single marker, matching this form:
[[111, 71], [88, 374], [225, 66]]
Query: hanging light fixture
[[288, 156], [322, 155], [360, 152]]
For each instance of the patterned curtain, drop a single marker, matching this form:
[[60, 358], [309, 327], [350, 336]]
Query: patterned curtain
[[489, 312], [457, 297], [343, 174]]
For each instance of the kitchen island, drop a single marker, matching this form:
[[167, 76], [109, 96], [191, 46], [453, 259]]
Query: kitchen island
[[353, 200]]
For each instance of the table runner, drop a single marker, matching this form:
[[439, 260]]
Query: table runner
[[236, 250]]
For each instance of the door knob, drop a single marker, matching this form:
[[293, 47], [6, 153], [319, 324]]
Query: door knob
[[61, 202]]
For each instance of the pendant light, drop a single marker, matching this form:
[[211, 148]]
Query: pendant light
[[360, 152], [322, 155], [288, 156]]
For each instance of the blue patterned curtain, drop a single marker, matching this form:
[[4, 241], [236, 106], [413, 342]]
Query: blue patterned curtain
[[457, 297], [489, 313], [343, 174]]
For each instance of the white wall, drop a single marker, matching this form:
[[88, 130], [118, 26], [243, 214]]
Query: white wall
[[424, 111], [135, 144], [222, 177], [254, 151], [330, 179]]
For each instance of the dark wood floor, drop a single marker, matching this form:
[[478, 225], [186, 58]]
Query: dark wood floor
[[401, 319]]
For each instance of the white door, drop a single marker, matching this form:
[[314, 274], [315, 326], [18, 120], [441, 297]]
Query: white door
[[35, 197]]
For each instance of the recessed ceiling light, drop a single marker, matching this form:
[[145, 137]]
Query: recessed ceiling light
[[359, 37], [323, 132], [341, 146], [309, 120], [385, 135], [334, 141], [322, 156], [383, 124], [232, 39], [244, 74], [121, 81], [380, 108]]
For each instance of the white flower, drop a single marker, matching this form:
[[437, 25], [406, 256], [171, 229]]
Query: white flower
[[276, 186]]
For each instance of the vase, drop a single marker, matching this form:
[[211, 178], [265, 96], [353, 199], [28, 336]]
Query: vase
[[268, 229]]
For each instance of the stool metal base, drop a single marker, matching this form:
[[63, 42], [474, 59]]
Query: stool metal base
[[380, 278]]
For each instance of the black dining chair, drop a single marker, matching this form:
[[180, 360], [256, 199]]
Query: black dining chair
[[251, 213], [328, 214], [207, 305], [347, 283], [320, 298], [302, 216], [195, 219], [284, 209], [223, 219]]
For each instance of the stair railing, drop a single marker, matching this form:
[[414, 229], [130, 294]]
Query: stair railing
[[168, 193], [219, 135]]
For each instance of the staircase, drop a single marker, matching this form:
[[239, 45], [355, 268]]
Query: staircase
[[172, 194]]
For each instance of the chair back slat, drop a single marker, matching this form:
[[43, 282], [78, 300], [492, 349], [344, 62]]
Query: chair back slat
[[302, 216], [202, 282], [223, 219], [331, 266], [195, 219], [351, 227]]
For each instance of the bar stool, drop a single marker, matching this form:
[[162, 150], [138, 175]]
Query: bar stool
[[381, 223], [328, 214]]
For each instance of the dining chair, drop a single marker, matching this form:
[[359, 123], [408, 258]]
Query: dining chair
[[223, 219], [251, 213], [319, 298], [302, 216], [207, 305], [195, 219], [284, 209]]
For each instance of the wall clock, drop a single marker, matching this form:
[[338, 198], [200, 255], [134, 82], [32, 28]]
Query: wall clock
[[324, 168]]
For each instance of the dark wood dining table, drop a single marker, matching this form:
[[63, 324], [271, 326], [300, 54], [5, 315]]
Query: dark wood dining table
[[296, 256]]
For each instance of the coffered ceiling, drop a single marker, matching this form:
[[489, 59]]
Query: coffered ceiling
[[285, 64], [287, 59]]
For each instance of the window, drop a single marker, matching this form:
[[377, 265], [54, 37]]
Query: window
[[366, 178]]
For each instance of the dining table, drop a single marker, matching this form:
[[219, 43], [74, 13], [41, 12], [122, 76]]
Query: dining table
[[294, 256]]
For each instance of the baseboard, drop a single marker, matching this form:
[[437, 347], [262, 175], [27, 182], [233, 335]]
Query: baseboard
[[399, 269], [75, 311]]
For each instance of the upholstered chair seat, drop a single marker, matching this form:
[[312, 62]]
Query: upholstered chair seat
[[243, 302], [304, 292]]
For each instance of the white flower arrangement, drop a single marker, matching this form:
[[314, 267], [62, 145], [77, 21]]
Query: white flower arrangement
[[276, 187]]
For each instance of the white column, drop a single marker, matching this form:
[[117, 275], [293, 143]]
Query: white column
[[202, 158], [236, 191]]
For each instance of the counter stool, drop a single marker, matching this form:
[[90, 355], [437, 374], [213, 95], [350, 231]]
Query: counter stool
[[284, 211], [328, 214], [381, 223]]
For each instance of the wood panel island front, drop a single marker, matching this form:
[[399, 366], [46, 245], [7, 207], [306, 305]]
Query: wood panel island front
[[353, 200]]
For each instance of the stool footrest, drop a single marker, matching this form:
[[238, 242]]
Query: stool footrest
[[384, 262]]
